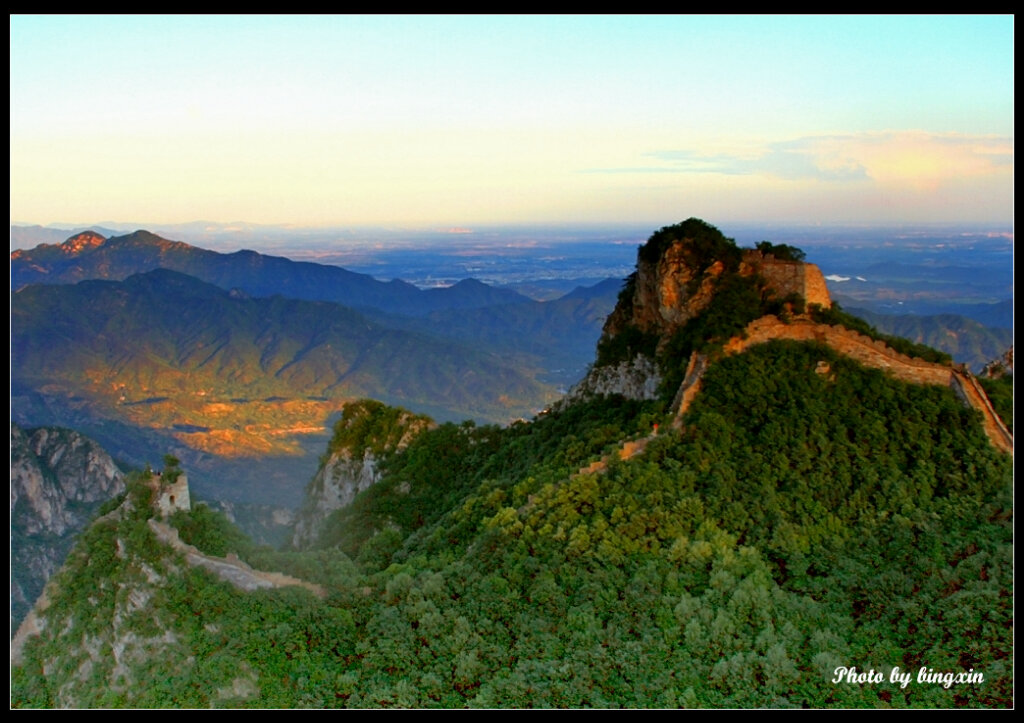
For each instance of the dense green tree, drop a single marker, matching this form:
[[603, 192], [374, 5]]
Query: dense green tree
[[782, 252]]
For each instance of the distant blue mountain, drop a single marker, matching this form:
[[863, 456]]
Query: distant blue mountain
[[90, 256]]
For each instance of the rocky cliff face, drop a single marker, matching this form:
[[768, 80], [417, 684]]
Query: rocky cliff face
[[366, 434], [335, 485], [670, 289], [663, 294], [637, 378], [680, 271], [58, 480]]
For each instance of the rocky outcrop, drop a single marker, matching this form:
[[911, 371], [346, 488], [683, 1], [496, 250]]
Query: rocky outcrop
[[334, 486], [637, 378], [999, 368], [679, 271], [664, 294], [58, 480], [366, 434], [669, 290], [56, 472]]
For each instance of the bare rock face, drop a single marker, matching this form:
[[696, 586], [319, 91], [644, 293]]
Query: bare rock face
[[662, 301], [334, 486], [58, 480], [367, 433], [55, 474], [637, 378], [679, 272], [664, 294]]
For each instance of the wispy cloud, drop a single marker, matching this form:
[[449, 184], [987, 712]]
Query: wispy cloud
[[791, 160], [916, 159]]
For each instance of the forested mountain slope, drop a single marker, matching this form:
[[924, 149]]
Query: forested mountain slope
[[227, 374], [799, 524]]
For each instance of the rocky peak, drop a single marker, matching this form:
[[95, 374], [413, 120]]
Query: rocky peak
[[679, 270], [82, 242], [693, 284], [675, 273]]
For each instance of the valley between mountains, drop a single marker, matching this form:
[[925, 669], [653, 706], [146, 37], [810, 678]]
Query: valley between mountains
[[249, 357]]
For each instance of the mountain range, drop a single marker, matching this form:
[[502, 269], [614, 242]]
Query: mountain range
[[202, 390], [227, 375], [163, 332], [89, 255], [249, 355]]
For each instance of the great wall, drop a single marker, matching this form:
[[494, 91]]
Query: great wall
[[169, 494], [863, 349], [662, 302], [869, 352], [230, 569]]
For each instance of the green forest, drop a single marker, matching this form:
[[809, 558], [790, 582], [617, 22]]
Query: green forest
[[794, 524]]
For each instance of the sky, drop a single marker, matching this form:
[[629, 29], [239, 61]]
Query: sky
[[444, 121]]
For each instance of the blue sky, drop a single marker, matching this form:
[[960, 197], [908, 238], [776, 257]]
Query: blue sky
[[440, 121]]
